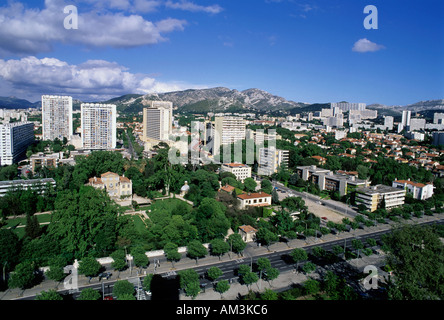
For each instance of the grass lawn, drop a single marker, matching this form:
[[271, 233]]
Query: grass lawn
[[21, 223], [168, 204], [140, 225]]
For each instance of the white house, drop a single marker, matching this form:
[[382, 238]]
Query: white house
[[420, 191], [257, 199]]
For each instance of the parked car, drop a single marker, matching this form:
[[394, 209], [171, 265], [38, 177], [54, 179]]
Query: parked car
[[105, 275]]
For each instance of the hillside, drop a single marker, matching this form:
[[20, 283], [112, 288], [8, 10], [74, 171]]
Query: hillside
[[210, 100], [16, 103]]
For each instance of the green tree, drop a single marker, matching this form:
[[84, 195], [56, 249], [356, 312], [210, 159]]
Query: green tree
[[309, 267], [222, 287], [119, 258], [236, 243], [416, 255], [274, 197], [189, 281], [9, 247], [80, 217], [123, 287], [214, 273], [171, 252], [126, 296], [56, 266], [24, 275], [266, 236], [269, 294], [89, 267], [89, 294], [48, 295], [147, 282], [299, 255], [32, 229], [271, 274], [219, 247], [196, 250], [250, 185], [331, 284], [249, 278], [312, 286]]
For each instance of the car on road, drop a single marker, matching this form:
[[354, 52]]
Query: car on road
[[324, 218], [105, 275]]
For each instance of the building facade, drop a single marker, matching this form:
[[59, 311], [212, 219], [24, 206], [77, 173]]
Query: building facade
[[98, 123], [420, 191], [228, 130], [56, 117], [327, 180], [241, 171], [380, 196], [256, 199], [158, 121], [116, 186], [14, 141], [270, 159], [39, 185]]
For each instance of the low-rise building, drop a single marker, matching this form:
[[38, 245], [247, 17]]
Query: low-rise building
[[257, 199], [420, 191], [45, 160], [380, 196], [327, 180], [248, 233], [241, 171], [116, 186], [39, 185]]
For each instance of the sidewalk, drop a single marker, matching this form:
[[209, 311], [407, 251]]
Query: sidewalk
[[285, 279]]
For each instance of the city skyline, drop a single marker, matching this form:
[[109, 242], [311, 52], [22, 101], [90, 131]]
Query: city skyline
[[304, 51]]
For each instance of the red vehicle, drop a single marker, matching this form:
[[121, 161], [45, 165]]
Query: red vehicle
[[108, 298], [324, 218]]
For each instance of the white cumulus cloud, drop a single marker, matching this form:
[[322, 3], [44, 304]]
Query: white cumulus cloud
[[365, 45], [28, 31], [93, 79]]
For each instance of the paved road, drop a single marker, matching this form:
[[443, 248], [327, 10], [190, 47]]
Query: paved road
[[278, 255], [338, 206], [130, 146]]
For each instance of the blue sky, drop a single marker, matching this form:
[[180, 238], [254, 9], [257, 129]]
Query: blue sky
[[300, 50]]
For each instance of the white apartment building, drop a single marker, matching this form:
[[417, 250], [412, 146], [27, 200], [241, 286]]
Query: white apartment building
[[420, 191], [14, 140], [38, 185], [241, 171], [270, 159], [388, 122], [417, 124], [347, 106], [56, 117], [228, 130], [98, 123], [158, 121], [406, 116], [438, 118], [374, 196]]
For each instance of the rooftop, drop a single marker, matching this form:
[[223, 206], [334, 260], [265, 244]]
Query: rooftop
[[255, 195], [379, 188]]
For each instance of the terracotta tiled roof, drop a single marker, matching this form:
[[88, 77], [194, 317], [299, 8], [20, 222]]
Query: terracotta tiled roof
[[245, 196], [228, 188], [247, 229]]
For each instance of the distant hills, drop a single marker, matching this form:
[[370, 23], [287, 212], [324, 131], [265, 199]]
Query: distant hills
[[16, 103], [210, 100], [222, 99]]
